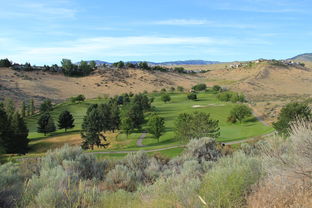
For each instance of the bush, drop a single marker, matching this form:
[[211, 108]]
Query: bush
[[165, 98], [200, 87], [78, 98], [180, 88], [192, 96], [238, 113], [217, 88], [231, 96], [290, 113], [121, 178], [11, 185], [228, 182]]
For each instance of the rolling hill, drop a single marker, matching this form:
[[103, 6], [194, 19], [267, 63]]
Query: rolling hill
[[303, 57]]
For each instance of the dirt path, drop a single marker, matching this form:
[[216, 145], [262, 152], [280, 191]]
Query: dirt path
[[140, 140], [256, 115]]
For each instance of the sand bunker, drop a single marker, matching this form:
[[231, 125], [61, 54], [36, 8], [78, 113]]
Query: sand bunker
[[205, 106]]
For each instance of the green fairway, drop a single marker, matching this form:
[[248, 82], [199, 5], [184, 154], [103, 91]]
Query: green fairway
[[207, 102]]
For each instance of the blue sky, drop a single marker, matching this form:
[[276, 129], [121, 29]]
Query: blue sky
[[44, 32]]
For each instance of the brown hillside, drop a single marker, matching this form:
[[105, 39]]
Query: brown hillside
[[269, 86], [40, 85]]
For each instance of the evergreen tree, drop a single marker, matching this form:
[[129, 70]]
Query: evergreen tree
[[32, 107], [156, 126], [104, 112], [46, 124], [23, 109], [115, 116], [9, 107], [92, 128], [5, 131], [46, 106], [19, 141], [66, 120]]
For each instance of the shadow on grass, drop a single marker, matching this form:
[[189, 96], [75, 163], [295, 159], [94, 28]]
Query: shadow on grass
[[55, 134]]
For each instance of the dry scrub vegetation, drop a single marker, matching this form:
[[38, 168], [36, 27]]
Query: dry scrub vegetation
[[270, 173]]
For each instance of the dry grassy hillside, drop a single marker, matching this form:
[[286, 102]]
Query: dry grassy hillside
[[268, 85], [39, 85]]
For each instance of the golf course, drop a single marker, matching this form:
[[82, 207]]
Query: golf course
[[206, 102]]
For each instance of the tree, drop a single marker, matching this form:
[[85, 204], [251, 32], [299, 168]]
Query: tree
[[66, 120], [192, 96], [142, 101], [5, 63], [290, 113], [78, 98], [156, 126], [132, 117], [84, 68], [104, 112], [238, 113], [32, 107], [126, 124], [9, 107], [200, 87], [23, 109], [46, 124], [196, 125], [92, 65], [114, 116], [165, 97], [5, 131], [144, 65], [46, 106], [92, 128], [203, 126], [67, 66], [217, 88], [18, 142]]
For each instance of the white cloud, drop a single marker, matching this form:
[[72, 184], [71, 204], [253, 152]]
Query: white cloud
[[99, 47], [201, 22]]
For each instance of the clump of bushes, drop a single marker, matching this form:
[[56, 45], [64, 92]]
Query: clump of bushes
[[200, 87], [229, 96], [78, 98], [192, 96]]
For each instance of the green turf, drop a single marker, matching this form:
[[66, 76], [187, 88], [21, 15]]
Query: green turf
[[178, 104]]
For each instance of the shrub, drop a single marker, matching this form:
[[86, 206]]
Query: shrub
[[180, 88], [200, 87], [290, 113], [238, 113], [121, 178], [227, 183], [11, 185], [217, 88], [231, 96], [78, 98], [165, 98], [192, 96]]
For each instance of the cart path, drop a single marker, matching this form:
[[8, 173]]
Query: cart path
[[140, 140]]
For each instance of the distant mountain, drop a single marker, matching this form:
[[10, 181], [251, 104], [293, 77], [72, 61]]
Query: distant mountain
[[167, 63], [303, 57], [189, 62]]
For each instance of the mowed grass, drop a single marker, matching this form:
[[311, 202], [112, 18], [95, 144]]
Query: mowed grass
[[207, 102]]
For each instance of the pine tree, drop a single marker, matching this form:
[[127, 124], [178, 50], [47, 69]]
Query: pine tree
[[19, 141], [32, 107], [23, 109], [92, 128], [66, 120], [45, 124], [9, 107], [115, 117], [5, 131]]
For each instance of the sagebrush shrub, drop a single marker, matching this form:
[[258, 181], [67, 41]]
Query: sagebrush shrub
[[230, 180], [11, 185]]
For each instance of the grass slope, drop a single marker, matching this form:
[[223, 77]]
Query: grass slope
[[178, 104]]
